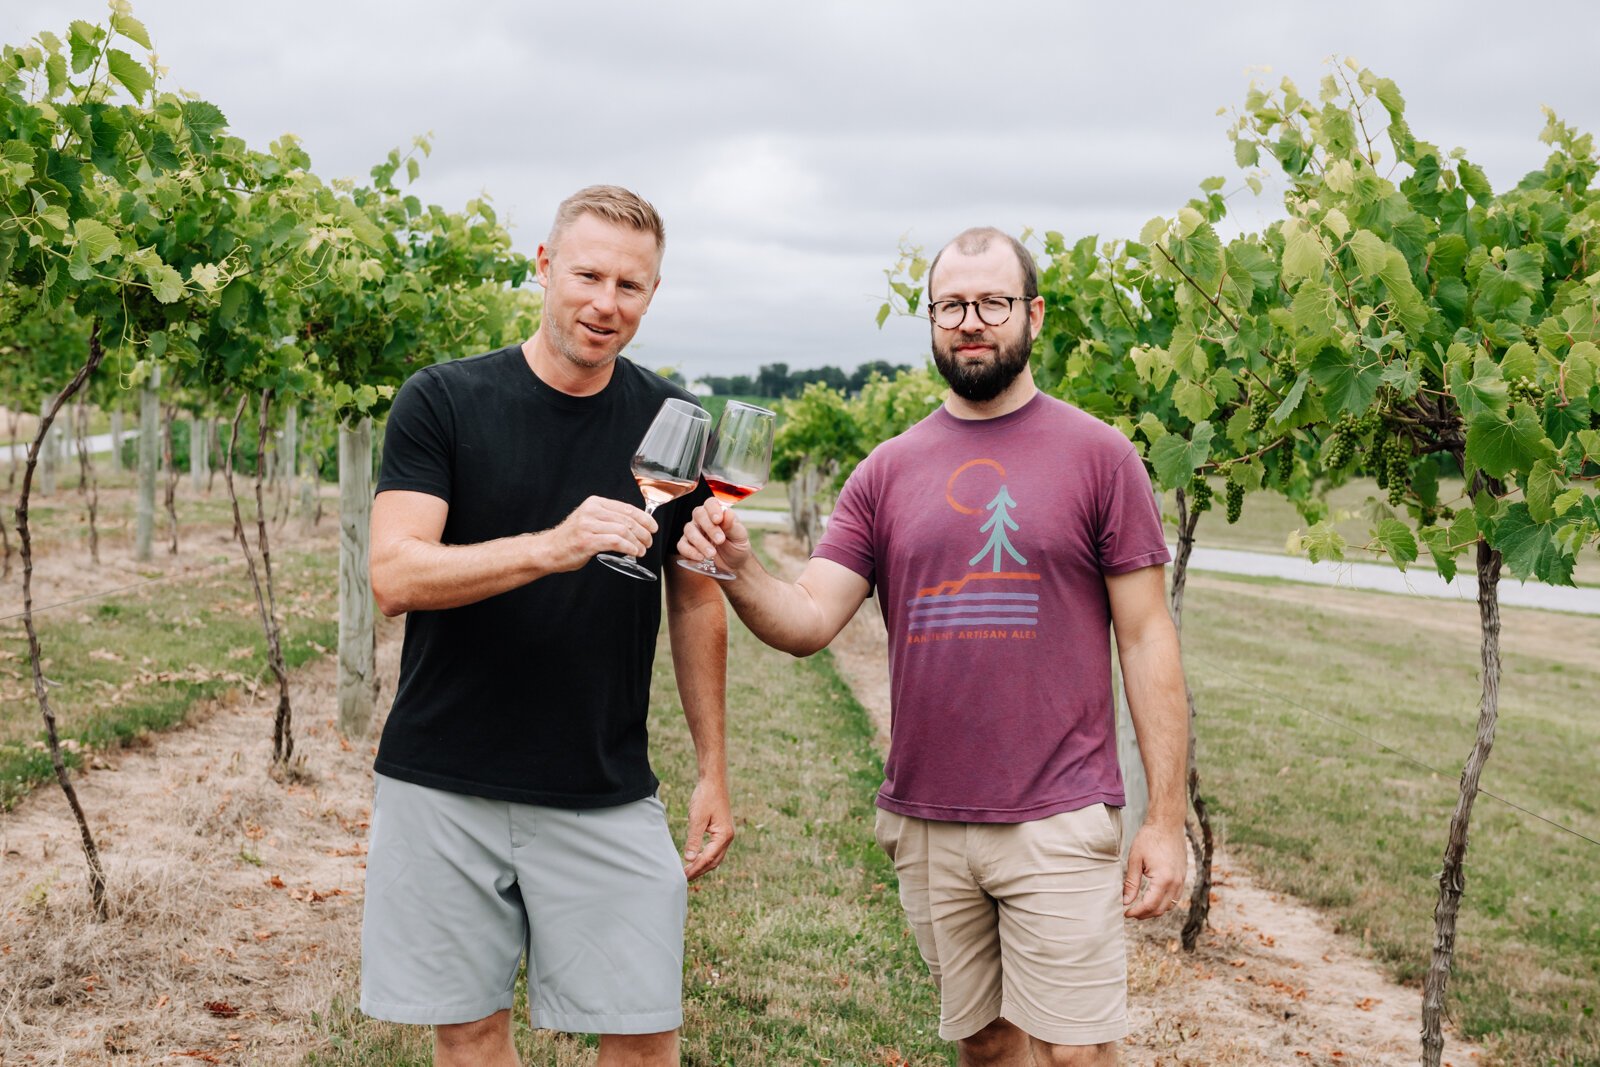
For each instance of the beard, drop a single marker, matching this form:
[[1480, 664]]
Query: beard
[[982, 382]]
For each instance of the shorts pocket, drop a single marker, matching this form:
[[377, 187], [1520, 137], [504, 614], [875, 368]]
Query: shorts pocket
[[1114, 822], [886, 829]]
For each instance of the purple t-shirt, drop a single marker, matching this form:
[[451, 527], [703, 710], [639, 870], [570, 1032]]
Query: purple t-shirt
[[989, 542]]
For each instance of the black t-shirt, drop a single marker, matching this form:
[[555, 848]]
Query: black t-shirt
[[538, 695]]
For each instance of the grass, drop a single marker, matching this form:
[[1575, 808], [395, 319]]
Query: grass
[[796, 949], [1334, 819], [124, 666]]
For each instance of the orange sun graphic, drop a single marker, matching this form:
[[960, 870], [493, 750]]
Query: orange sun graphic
[[950, 486]]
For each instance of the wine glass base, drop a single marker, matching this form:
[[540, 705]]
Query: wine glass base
[[627, 565], [713, 572]]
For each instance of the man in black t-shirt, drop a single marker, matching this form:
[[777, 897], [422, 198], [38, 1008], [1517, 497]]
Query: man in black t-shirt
[[515, 808]]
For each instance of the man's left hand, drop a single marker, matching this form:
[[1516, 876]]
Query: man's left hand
[[1161, 858], [710, 828]]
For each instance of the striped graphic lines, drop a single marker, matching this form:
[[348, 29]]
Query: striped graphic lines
[[974, 609]]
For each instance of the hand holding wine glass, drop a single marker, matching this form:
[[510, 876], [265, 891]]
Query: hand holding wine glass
[[737, 464], [666, 465]]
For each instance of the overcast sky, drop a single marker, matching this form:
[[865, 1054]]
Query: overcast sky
[[790, 148]]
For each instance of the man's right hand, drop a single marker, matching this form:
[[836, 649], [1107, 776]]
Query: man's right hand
[[715, 530], [597, 525]]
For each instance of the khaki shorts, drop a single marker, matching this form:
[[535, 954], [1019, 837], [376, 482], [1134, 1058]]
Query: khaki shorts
[[1018, 920]]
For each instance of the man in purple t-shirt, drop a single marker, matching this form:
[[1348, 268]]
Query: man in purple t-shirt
[[1007, 535]]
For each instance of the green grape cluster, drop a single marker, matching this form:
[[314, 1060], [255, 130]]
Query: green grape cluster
[[1394, 466], [1343, 447], [1235, 501], [1199, 494], [1524, 390], [1260, 408], [1285, 465]]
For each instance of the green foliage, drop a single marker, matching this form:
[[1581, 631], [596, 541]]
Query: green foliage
[[235, 269], [1398, 318]]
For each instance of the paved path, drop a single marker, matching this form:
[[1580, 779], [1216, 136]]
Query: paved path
[[1418, 581], [98, 443], [1382, 577]]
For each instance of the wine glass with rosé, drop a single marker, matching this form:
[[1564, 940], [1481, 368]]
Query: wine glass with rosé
[[666, 465], [738, 462]]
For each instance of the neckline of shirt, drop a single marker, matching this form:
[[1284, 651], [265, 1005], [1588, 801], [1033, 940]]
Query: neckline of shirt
[[548, 394], [1000, 422]]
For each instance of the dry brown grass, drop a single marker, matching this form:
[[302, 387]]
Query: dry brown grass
[[235, 899]]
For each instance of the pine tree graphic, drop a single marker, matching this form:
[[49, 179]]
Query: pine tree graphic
[[998, 522]]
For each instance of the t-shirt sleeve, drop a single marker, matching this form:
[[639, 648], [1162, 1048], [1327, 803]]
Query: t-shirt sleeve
[[416, 443], [848, 539], [1130, 534]]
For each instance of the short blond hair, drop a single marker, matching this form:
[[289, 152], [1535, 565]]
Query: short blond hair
[[614, 204]]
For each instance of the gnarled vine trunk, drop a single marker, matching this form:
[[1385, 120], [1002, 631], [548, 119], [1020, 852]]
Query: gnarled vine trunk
[[266, 602], [41, 692], [1452, 879], [1201, 837]]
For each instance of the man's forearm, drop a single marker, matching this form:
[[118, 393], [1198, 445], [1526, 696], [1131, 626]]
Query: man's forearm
[[418, 575], [1152, 672], [698, 630], [782, 614]]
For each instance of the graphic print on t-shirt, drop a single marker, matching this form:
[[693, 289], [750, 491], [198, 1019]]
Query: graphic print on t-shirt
[[993, 599]]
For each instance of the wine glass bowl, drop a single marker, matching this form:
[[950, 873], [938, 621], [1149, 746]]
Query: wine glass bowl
[[738, 462], [665, 465]]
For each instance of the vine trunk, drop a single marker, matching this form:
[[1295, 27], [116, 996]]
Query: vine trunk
[[91, 853]]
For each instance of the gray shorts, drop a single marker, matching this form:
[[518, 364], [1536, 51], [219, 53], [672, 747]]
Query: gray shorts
[[459, 888]]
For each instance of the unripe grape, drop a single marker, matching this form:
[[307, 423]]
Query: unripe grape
[[1260, 408], [1235, 500], [1200, 494], [1341, 449]]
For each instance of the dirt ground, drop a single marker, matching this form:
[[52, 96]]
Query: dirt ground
[[236, 903]]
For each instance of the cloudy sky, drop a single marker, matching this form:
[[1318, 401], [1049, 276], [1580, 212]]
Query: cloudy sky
[[792, 147]]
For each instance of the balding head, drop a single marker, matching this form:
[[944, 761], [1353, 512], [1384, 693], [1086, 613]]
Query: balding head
[[976, 241]]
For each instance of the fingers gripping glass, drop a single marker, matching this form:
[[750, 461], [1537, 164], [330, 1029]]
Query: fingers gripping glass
[[992, 311], [666, 465], [737, 464]]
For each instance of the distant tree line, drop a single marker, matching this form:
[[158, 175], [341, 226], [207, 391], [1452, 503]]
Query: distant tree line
[[776, 380]]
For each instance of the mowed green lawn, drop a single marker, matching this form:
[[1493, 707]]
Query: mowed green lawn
[[1332, 818]]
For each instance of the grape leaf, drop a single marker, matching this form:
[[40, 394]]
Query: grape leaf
[[133, 75], [1175, 459], [1397, 540], [1498, 445], [1348, 385], [1529, 548]]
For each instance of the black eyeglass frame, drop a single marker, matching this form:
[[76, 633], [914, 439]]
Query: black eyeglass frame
[[977, 309]]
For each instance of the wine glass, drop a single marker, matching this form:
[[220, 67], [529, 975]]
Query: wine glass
[[737, 464], [666, 465]]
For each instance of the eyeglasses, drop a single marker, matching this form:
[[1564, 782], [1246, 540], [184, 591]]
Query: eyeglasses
[[992, 311]]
